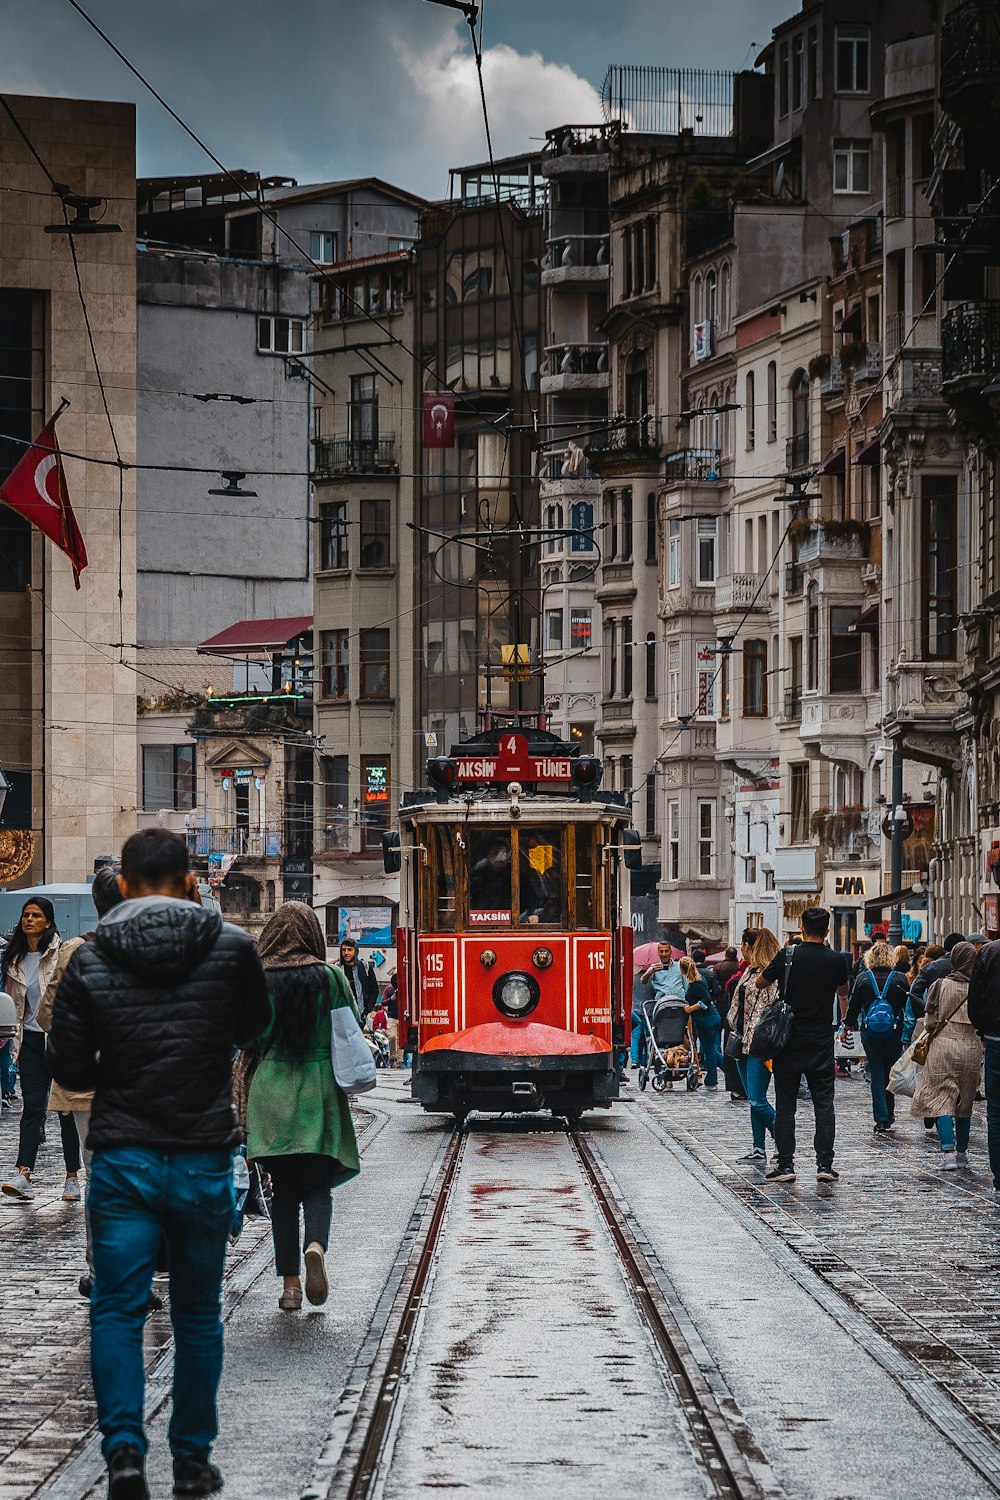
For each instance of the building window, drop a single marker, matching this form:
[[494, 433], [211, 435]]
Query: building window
[[611, 525], [336, 664], [637, 389], [553, 630], [627, 261], [852, 166], [938, 571], [845, 651], [651, 806], [323, 247], [337, 806], [651, 527], [553, 525], [673, 680], [650, 252], [750, 410], [707, 670], [280, 335], [651, 665], [627, 657], [168, 783], [707, 539], [580, 628], [375, 800], [783, 80], [813, 63], [812, 638], [333, 533], [674, 555], [706, 840], [755, 679], [374, 663], [772, 402], [626, 532], [852, 51], [626, 773], [799, 793], [798, 71], [611, 657], [799, 444], [725, 295], [363, 420], [673, 841], [375, 551]]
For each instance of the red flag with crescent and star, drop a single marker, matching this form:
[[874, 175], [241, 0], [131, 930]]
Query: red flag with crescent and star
[[36, 489], [439, 419]]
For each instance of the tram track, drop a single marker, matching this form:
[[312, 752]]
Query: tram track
[[722, 1449]]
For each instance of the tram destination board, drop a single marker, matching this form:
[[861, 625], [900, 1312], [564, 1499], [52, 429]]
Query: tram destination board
[[514, 762]]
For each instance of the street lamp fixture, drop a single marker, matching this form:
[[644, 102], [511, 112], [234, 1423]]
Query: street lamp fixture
[[5, 787]]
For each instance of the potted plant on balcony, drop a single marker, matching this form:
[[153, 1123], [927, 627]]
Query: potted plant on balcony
[[853, 355], [819, 366], [818, 822]]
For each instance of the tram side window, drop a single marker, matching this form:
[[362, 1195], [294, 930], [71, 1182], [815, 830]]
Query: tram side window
[[540, 872], [489, 856], [444, 878], [584, 876]]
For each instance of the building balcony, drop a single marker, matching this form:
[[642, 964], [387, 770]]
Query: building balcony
[[577, 150], [831, 380], [895, 198], [969, 77], [797, 452], [235, 839], [626, 438], [739, 592], [350, 455], [698, 464], [870, 367], [575, 258], [914, 380], [574, 367], [796, 868], [831, 541], [567, 470], [838, 723], [970, 347]]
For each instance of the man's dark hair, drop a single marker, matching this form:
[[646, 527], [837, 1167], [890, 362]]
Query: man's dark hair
[[154, 855], [815, 921], [952, 940], [750, 935], [105, 890], [699, 955], [730, 952]]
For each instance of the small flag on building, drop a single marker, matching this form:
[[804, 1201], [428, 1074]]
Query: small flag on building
[[439, 419], [36, 489]]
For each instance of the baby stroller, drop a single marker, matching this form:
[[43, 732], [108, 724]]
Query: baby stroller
[[667, 1052]]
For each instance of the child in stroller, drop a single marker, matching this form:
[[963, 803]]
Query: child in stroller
[[667, 1053]]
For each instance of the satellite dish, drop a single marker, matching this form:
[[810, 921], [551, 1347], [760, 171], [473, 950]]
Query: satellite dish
[[779, 180]]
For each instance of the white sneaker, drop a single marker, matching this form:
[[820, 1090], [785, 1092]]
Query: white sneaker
[[71, 1192], [19, 1186], [949, 1161]]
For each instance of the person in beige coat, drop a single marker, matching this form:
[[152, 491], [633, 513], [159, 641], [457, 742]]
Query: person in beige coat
[[950, 1078]]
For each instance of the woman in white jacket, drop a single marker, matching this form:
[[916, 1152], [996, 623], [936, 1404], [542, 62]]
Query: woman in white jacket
[[29, 962]]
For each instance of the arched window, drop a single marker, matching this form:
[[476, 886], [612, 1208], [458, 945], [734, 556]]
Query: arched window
[[725, 296], [772, 402], [812, 637], [715, 423], [637, 384], [799, 398], [553, 522], [750, 410], [650, 665], [711, 297], [697, 305]]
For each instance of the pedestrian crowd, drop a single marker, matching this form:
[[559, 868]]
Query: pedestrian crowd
[[197, 1077], [928, 1021]]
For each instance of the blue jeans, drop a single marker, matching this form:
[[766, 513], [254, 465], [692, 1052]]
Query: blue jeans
[[134, 1193], [8, 1073], [638, 1037], [755, 1077], [953, 1134], [992, 1090], [708, 1029], [881, 1052]]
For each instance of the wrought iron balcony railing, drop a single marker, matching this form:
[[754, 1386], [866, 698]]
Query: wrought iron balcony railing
[[970, 344], [693, 463], [970, 61], [348, 455]]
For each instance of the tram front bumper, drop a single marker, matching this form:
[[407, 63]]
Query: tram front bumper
[[454, 1079]]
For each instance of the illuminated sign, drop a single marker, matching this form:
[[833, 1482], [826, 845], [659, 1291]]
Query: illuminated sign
[[376, 781]]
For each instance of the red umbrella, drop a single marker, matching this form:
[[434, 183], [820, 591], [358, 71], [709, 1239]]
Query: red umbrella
[[716, 958], [648, 953]]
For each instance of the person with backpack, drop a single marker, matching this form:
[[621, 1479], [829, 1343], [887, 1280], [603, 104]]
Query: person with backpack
[[878, 1000]]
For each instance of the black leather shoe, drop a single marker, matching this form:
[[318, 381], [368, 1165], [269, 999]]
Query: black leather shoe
[[195, 1476], [127, 1474], [86, 1286]]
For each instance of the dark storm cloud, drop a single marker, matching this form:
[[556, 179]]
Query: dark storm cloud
[[319, 89]]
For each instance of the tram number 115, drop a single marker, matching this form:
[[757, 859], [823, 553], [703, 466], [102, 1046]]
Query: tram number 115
[[597, 960]]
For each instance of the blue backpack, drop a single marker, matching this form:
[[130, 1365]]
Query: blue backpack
[[880, 1018]]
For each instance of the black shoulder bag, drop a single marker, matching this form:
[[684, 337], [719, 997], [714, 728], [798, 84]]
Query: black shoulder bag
[[775, 1025], [734, 1041]]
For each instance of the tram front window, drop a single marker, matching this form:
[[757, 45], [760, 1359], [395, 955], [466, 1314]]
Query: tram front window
[[540, 872], [490, 884]]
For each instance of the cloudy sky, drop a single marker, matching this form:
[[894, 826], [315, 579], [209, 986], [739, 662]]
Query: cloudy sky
[[321, 89]]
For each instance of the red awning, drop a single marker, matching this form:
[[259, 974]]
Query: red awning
[[256, 637], [833, 463], [867, 620], [869, 453], [850, 323]]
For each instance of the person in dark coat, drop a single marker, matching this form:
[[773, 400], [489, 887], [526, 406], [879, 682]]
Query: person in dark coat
[[148, 1015], [360, 977]]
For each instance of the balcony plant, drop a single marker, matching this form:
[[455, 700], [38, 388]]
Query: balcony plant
[[853, 355], [819, 366], [801, 530]]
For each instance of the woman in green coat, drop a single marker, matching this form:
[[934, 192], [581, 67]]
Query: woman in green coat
[[299, 1125]]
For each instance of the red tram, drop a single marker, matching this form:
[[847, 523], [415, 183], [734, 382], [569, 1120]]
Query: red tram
[[515, 944]]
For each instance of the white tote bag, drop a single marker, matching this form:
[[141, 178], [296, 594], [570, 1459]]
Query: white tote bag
[[353, 1063]]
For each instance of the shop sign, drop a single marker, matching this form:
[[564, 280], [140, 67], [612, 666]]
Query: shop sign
[[849, 887]]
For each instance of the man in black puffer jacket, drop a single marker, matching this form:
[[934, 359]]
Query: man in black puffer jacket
[[148, 1014]]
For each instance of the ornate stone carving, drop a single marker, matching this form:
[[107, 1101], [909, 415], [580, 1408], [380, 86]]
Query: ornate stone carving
[[17, 850]]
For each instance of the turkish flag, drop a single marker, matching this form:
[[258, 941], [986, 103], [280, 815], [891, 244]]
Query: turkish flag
[[439, 419], [36, 489]]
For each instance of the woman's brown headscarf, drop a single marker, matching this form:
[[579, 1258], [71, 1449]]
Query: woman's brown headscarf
[[292, 938], [963, 956]]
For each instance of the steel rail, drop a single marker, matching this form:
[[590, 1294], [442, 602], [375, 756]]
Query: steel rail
[[724, 1462]]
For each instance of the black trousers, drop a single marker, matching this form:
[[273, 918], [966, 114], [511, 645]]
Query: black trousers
[[815, 1060], [36, 1080], [304, 1182]]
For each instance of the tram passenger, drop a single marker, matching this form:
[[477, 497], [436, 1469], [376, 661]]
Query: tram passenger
[[490, 878], [539, 877]]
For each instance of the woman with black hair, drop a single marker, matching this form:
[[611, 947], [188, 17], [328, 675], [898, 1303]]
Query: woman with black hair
[[28, 964], [299, 1125]]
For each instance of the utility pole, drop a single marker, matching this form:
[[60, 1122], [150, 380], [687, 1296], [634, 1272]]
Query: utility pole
[[896, 855]]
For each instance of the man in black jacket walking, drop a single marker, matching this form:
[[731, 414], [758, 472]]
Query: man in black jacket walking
[[148, 1014], [360, 976], [984, 1013]]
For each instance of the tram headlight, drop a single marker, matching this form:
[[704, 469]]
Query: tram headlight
[[516, 994]]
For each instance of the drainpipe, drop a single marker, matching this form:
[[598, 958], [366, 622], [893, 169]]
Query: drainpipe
[[896, 858]]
